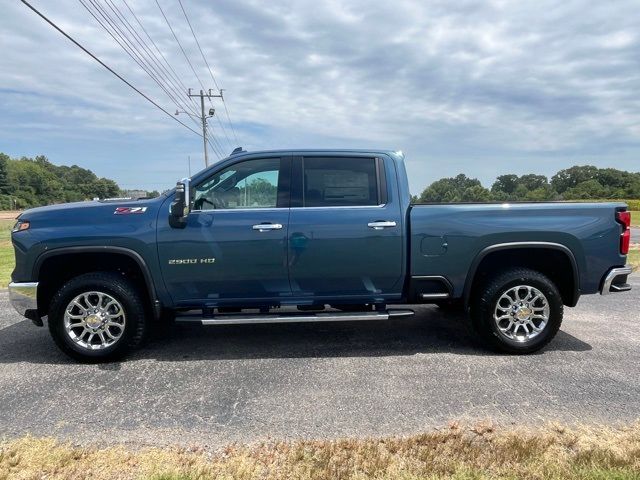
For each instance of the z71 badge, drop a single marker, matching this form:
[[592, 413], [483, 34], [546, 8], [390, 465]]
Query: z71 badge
[[129, 210]]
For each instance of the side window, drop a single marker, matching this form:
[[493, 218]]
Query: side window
[[334, 182], [250, 184]]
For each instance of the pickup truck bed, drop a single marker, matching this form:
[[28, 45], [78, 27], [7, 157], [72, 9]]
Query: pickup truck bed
[[460, 238]]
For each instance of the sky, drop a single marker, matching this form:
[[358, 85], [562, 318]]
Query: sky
[[476, 87]]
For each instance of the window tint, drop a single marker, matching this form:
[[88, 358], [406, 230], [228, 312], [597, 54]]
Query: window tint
[[250, 184], [333, 182]]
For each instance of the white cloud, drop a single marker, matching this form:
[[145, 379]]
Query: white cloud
[[525, 86]]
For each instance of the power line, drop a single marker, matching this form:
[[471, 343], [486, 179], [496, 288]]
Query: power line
[[175, 75], [180, 45], [127, 45], [190, 64], [150, 54], [76, 43], [210, 71]]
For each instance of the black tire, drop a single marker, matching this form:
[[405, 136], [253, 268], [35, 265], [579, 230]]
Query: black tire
[[484, 304], [120, 289]]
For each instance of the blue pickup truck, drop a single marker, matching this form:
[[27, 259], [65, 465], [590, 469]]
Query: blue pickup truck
[[308, 236]]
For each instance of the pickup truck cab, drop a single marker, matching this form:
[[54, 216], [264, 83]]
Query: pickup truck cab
[[308, 235]]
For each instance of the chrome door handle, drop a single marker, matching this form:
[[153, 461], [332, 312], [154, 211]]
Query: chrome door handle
[[381, 225], [264, 227]]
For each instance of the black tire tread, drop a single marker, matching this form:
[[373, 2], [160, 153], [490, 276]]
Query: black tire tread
[[120, 286], [482, 307]]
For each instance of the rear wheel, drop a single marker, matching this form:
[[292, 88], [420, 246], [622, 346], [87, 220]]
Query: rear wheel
[[97, 317], [518, 311]]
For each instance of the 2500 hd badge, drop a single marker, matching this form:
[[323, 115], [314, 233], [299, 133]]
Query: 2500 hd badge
[[190, 261]]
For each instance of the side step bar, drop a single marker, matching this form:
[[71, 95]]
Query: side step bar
[[239, 319]]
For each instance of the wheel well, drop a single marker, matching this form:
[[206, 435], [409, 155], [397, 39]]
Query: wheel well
[[56, 270], [556, 264]]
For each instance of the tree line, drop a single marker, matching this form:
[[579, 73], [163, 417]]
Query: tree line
[[575, 183], [32, 182]]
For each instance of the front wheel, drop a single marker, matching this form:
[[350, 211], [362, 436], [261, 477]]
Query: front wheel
[[97, 317], [518, 311]]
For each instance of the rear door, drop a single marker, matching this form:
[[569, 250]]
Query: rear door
[[345, 229]]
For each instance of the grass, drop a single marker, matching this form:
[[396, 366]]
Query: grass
[[6, 252], [635, 218], [457, 452]]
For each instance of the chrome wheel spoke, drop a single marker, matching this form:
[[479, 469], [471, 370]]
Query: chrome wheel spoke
[[101, 317], [521, 313]]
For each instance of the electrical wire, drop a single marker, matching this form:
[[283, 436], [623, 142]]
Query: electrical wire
[[210, 71], [131, 50], [150, 55], [190, 65], [174, 74], [120, 77]]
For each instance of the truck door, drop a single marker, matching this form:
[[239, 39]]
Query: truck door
[[345, 229], [234, 244]]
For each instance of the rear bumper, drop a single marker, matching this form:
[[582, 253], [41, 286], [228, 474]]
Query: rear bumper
[[24, 298], [616, 280]]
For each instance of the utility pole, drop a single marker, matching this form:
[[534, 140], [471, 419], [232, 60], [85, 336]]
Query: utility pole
[[204, 117]]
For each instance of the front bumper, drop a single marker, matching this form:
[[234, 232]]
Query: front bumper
[[616, 280], [24, 298]]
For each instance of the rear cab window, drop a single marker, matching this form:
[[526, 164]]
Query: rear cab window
[[340, 182]]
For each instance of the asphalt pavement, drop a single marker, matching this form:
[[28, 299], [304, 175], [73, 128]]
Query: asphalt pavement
[[635, 234], [216, 385]]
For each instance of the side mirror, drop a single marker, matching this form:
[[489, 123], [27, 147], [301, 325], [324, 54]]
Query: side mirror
[[179, 208]]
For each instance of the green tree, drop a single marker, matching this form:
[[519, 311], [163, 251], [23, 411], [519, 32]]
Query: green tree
[[5, 187], [533, 181], [505, 184], [570, 177], [454, 189], [586, 190], [476, 193], [37, 181]]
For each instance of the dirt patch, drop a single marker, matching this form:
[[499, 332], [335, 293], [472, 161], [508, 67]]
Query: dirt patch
[[9, 214]]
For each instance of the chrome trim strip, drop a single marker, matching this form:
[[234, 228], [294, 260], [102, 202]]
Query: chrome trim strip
[[265, 209], [263, 227], [341, 207], [23, 296], [381, 225], [611, 276], [294, 318], [431, 296], [255, 209]]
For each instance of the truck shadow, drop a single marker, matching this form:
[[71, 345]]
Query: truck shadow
[[429, 331]]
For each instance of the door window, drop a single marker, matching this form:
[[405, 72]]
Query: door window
[[333, 182], [250, 184]]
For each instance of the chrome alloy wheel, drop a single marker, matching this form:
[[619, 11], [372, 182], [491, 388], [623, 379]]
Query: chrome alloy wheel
[[94, 320], [521, 313]]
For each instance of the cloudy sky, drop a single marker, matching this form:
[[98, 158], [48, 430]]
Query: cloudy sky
[[480, 87]]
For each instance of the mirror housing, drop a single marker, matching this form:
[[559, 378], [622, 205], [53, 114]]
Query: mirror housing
[[179, 208]]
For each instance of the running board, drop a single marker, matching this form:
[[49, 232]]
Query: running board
[[240, 319]]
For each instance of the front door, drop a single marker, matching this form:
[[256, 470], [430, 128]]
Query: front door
[[345, 230], [233, 247]]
